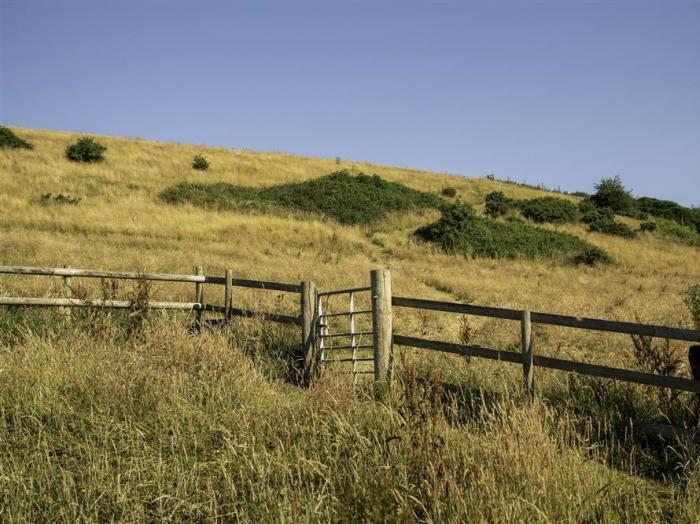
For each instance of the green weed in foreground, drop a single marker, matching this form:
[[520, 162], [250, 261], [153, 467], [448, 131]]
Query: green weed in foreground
[[460, 230], [346, 198]]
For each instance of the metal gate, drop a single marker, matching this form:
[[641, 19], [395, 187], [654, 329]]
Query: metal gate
[[345, 347]]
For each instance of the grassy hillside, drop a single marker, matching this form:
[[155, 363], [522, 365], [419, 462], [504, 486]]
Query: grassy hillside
[[97, 425]]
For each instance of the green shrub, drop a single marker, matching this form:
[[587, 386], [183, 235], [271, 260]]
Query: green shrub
[[592, 256], [670, 210], [611, 193], [549, 209], [200, 163], [611, 227], [647, 226], [460, 230], [497, 204], [597, 215], [449, 191], [346, 198], [586, 205], [691, 297], [9, 140], [86, 149], [685, 234]]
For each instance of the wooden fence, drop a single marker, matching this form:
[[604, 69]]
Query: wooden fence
[[199, 279], [383, 302]]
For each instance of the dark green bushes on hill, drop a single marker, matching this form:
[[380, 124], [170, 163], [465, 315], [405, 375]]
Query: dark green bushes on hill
[[9, 140], [611, 227], [86, 149], [200, 163], [670, 210], [543, 209], [684, 234], [590, 213], [346, 198], [497, 204], [592, 256], [549, 209], [611, 193], [460, 230]]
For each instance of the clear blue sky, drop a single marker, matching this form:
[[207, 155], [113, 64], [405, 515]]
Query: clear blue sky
[[561, 93]]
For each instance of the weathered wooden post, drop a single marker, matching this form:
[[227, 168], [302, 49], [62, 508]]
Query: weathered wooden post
[[228, 295], [308, 331], [382, 329], [198, 298], [526, 341], [67, 292], [694, 361]]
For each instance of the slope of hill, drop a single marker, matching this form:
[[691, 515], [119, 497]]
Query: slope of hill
[[197, 444]]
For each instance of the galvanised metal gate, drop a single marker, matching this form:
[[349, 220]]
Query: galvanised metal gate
[[339, 343]]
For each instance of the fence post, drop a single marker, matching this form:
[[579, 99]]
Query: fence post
[[526, 341], [308, 331], [198, 298], [67, 292], [694, 361], [382, 329], [228, 295]]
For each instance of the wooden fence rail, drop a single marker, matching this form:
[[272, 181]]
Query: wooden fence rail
[[629, 328], [581, 368], [123, 275], [199, 279]]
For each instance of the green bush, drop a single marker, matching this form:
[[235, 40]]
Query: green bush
[[86, 149], [586, 205], [691, 297], [460, 230], [597, 215], [449, 191], [647, 226], [611, 227], [549, 209], [9, 140], [685, 234], [346, 198], [611, 193], [200, 163], [670, 210], [497, 204], [592, 256]]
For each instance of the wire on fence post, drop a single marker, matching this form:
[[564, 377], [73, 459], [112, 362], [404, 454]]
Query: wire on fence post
[[526, 341], [228, 294], [199, 298]]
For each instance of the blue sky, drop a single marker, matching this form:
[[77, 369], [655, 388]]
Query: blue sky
[[562, 93]]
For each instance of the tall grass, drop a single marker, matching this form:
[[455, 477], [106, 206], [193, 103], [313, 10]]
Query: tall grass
[[180, 427]]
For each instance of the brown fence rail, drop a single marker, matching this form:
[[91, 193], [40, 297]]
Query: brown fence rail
[[199, 279], [581, 368], [629, 328]]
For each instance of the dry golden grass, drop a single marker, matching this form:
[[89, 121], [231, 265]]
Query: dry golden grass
[[230, 457]]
